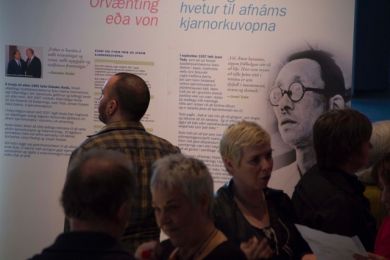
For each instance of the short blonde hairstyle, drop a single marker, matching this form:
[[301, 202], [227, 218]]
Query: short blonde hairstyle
[[239, 135]]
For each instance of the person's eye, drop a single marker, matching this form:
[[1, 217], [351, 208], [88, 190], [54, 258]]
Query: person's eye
[[172, 207], [268, 156], [255, 160]]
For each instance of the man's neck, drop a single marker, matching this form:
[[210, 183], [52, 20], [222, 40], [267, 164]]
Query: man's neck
[[117, 118], [89, 226]]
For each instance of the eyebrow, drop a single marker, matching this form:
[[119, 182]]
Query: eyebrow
[[262, 154], [267, 152], [170, 201], [296, 78]]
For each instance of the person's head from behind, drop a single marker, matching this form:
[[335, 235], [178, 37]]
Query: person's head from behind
[[309, 84], [342, 137], [16, 54], [245, 148], [182, 197], [125, 97], [98, 191], [381, 172], [29, 53]]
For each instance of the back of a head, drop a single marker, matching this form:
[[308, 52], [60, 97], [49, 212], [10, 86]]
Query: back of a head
[[331, 73], [338, 134], [188, 174], [133, 95], [239, 135], [97, 185]]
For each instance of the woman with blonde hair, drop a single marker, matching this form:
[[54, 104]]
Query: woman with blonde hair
[[255, 217]]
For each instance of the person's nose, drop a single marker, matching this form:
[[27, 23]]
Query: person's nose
[[285, 103], [266, 163]]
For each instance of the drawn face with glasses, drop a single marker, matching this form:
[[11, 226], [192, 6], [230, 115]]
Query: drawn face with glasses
[[295, 92], [298, 99]]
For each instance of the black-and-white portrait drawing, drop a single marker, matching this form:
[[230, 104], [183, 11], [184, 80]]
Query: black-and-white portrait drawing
[[308, 84]]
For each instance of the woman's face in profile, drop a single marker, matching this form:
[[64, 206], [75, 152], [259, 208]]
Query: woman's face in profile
[[176, 215]]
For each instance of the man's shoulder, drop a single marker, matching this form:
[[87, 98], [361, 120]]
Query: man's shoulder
[[83, 245], [36, 59], [158, 139], [149, 141], [126, 138]]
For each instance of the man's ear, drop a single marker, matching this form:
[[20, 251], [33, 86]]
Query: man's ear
[[336, 102], [228, 165], [112, 106]]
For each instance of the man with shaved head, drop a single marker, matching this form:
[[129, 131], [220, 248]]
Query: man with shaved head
[[124, 101]]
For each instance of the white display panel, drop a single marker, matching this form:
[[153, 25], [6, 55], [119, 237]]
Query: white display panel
[[207, 63]]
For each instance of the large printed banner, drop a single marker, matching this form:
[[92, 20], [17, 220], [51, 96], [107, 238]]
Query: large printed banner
[[208, 63]]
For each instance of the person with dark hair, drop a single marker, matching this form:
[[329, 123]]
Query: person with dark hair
[[33, 64], [16, 66], [309, 84], [124, 101], [329, 197], [96, 199]]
